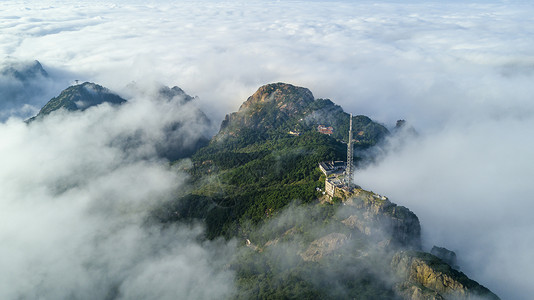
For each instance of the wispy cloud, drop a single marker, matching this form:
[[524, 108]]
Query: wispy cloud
[[77, 189], [470, 186]]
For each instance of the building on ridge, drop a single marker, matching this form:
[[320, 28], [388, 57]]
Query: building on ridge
[[325, 130], [339, 174], [331, 167]]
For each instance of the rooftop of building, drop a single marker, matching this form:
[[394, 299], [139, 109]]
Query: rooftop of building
[[331, 167]]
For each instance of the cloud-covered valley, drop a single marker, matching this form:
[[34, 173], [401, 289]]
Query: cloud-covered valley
[[460, 73]]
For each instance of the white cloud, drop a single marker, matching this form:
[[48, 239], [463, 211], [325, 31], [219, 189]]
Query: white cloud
[[77, 189], [460, 72], [23, 88], [470, 186]]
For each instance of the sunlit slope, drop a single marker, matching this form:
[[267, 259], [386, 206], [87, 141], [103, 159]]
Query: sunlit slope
[[258, 182]]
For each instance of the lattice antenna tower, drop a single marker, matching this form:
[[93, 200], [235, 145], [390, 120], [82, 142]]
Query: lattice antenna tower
[[350, 166]]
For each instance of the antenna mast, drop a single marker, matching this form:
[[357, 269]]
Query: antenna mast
[[350, 166]]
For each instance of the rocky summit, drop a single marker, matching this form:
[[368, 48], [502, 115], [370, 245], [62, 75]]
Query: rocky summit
[[422, 275], [270, 107], [279, 108]]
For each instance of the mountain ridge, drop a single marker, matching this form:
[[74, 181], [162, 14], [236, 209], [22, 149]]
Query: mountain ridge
[[79, 98], [263, 158], [258, 181], [279, 108]]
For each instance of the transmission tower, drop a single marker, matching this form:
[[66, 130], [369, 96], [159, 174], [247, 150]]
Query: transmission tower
[[350, 167]]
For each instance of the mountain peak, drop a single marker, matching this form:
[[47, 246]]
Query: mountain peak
[[23, 71], [279, 93], [80, 97], [277, 109], [169, 93]]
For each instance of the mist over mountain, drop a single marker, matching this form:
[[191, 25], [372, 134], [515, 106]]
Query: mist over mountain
[[21, 86], [77, 187], [24, 71], [244, 187], [113, 188]]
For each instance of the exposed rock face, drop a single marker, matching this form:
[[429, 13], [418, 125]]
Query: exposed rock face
[[286, 96], [278, 108], [416, 292], [269, 106], [424, 276], [377, 216], [324, 246]]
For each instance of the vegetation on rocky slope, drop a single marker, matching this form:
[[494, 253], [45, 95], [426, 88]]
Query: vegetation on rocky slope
[[254, 166], [424, 276], [258, 181], [279, 108], [79, 97]]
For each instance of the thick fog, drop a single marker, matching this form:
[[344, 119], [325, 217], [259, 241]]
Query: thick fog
[[24, 88], [77, 189], [460, 72]]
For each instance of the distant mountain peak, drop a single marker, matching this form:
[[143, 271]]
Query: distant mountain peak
[[169, 93], [79, 97], [23, 71]]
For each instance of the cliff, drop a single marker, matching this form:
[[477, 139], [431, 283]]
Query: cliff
[[376, 215], [424, 276]]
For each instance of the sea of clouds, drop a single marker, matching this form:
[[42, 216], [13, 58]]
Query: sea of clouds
[[76, 193], [460, 72]]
